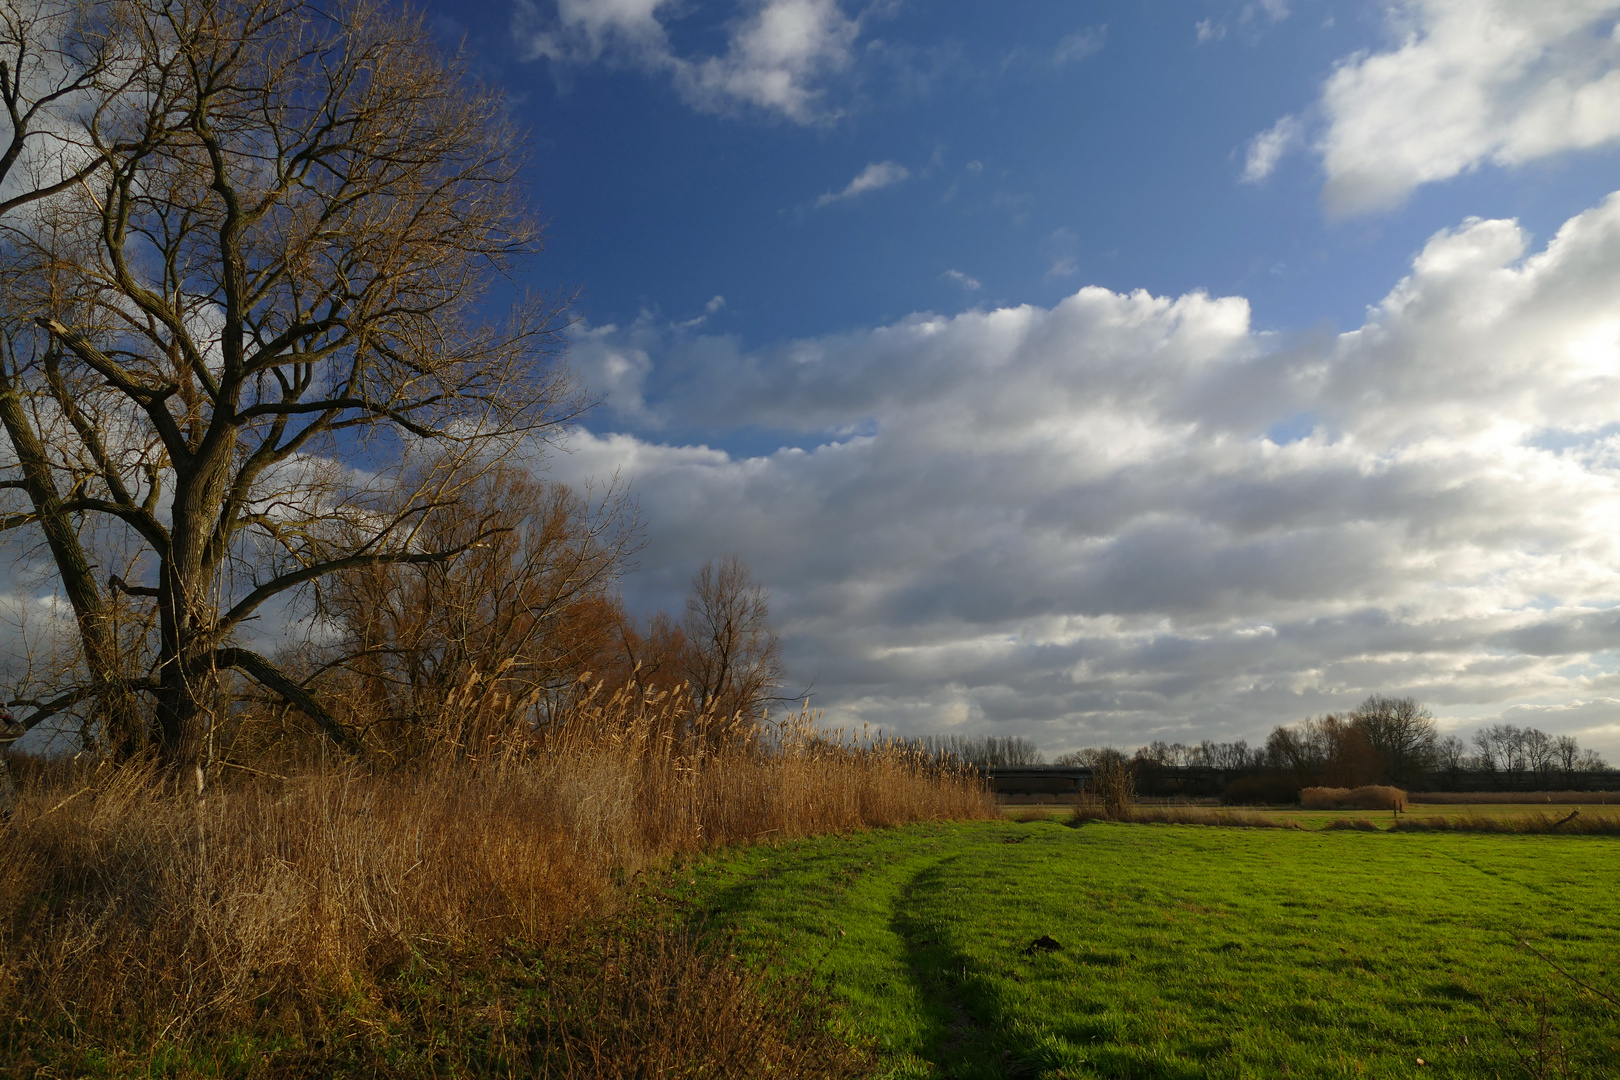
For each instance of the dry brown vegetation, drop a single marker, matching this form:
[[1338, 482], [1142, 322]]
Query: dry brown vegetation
[[1181, 815], [1371, 797], [1576, 824], [1562, 798], [138, 920], [1170, 815]]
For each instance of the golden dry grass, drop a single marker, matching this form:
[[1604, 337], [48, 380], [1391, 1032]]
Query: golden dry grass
[[1575, 822], [1563, 798], [134, 916]]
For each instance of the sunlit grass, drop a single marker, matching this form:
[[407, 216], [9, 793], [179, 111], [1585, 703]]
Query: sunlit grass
[[1193, 951]]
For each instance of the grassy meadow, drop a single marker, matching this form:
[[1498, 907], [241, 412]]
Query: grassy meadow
[[1184, 951]]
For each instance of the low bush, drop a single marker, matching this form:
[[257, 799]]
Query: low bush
[[1362, 798]]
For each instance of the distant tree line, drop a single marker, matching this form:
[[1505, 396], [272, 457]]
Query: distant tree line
[[979, 751], [1204, 755], [1385, 740]]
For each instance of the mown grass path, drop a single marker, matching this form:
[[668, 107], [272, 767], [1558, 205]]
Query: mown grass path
[[1192, 951]]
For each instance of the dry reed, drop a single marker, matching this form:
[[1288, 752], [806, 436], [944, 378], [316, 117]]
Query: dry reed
[[1579, 824], [1564, 798], [134, 917], [1371, 797]]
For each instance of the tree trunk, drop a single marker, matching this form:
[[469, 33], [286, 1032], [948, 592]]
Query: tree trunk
[[187, 676], [115, 713]]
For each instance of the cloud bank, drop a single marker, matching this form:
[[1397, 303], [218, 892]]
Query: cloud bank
[[1131, 516], [1470, 82]]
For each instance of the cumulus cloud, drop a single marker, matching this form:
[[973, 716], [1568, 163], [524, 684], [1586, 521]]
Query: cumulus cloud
[[1469, 82], [1268, 147], [967, 281], [879, 174], [1085, 524], [779, 55]]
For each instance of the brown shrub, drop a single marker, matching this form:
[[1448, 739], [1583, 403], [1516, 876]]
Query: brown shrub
[[1372, 797]]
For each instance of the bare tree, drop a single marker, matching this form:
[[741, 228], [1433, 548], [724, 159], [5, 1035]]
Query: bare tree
[[1092, 757], [734, 658], [981, 751], [1540, 754], [1451, 757], [522, 609], [651, 656], [1501, 749], [1402, 733], [1568, 750], [1226, 755], [276, 265], [1323, 750]]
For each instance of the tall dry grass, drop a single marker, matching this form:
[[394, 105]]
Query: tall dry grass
[[1578, 824], [1565, 798], [132, 915]]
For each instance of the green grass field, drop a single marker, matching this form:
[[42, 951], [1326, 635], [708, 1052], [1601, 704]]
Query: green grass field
[[1192, 951]]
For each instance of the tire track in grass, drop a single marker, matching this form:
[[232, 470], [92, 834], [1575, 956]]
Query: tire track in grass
[[938, 972], [841, 905]]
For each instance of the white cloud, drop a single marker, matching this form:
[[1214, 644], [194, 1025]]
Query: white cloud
[[715, 304], [1268, 147], [1469, 82], [1075, 523], [779, 57], [971, 284], [1209, 31], [879, 174], [585, 29], [1079, 45]]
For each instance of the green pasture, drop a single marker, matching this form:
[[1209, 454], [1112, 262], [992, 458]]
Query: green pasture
[[1189, 951]]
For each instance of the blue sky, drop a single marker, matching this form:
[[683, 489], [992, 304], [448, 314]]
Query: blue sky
[[1099, 372]]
